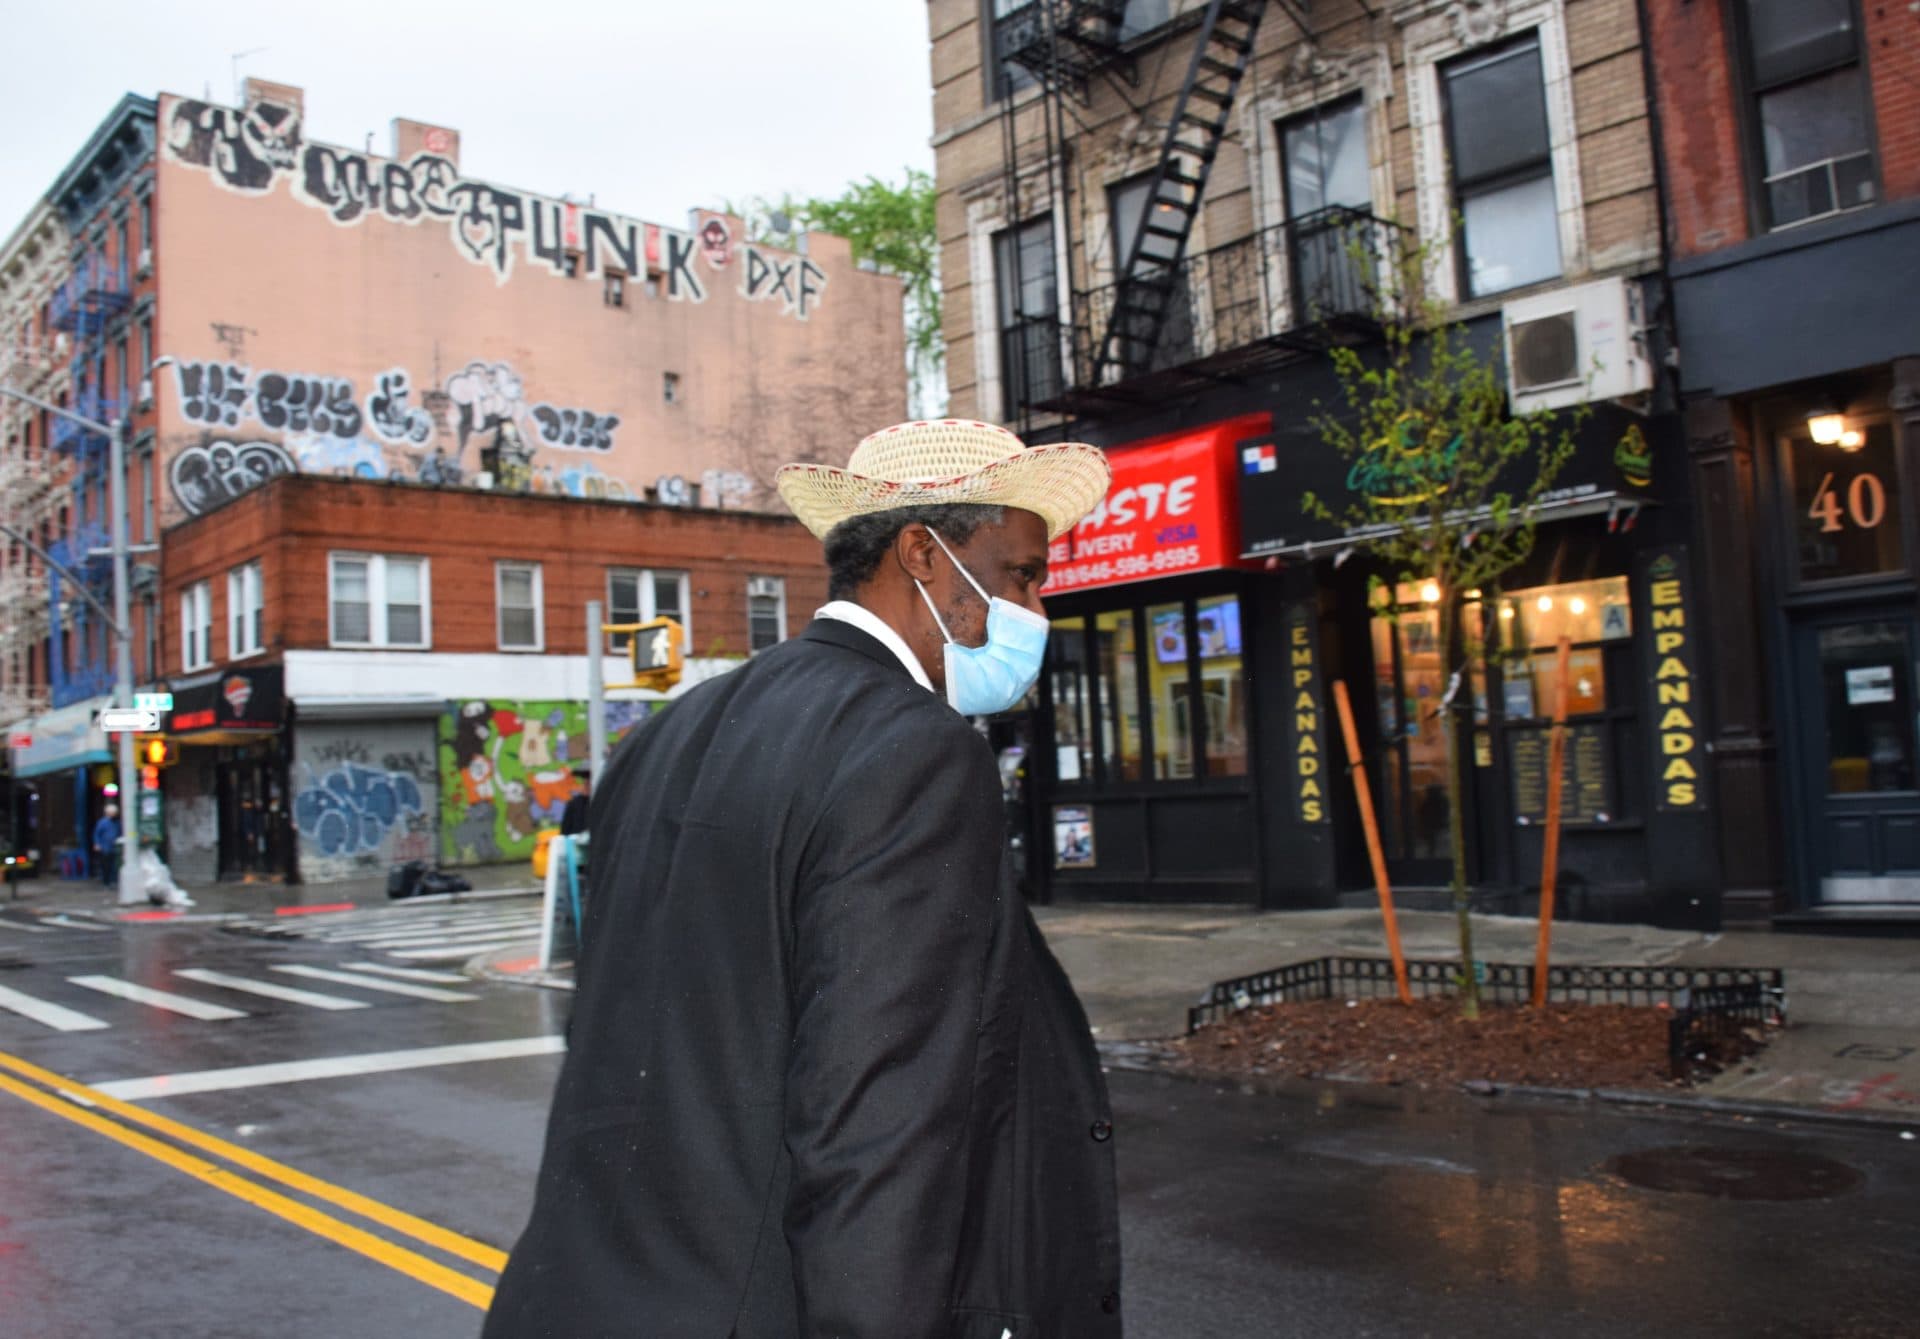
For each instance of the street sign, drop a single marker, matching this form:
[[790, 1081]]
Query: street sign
[[153, 701], [129, 720]]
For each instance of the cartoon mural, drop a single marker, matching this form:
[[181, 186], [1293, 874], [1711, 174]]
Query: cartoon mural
[[365, 797], [249, 151], [506, 772]]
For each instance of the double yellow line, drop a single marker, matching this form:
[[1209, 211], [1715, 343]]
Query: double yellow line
[[84, 1106]]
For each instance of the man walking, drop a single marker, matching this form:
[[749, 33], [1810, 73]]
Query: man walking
[[824, 1078], [106, 845]]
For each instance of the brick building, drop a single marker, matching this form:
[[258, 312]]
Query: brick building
[[1156, 218], [255, 304], [377, 671], [1790, 140]]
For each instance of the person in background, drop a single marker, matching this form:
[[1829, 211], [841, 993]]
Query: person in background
[[573, 818], [106, 845]]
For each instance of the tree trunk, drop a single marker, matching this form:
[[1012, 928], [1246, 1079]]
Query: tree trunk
[[1456, 804]]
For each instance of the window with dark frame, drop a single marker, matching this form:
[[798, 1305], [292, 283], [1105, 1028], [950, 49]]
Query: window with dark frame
[[1325, 174], [1027, 295], [615, 293], [766, 612], [1809, 114], [638, 595], [1501, 155], [1012, 25]]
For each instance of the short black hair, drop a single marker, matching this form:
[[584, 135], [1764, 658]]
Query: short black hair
[[856, 545]]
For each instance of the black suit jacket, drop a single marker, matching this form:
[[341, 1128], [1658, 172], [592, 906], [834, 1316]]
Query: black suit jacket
[[824, 1077]]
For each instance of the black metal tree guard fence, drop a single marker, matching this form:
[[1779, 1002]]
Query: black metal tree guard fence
[[1707, 1003]]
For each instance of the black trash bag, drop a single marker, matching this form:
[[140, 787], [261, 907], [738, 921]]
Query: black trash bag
[[439, 881], [404, 880]]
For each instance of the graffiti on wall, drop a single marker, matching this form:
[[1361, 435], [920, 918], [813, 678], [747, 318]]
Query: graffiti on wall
[[506, 772], [211, 474], [363, 799], [250, 151], [326, 428]]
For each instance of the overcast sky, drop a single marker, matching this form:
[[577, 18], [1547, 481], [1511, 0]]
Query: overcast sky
[[652, 108]]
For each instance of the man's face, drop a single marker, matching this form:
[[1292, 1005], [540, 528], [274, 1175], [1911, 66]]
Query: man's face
[[1008, 560]]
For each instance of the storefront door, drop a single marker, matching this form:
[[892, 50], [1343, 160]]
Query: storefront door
[[1860, 742], [1410, 778]]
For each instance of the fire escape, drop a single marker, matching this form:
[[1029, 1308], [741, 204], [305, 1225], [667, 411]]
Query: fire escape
[[1173, 323], [92, 298]]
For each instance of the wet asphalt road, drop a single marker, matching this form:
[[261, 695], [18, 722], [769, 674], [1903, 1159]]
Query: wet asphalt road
[[1243, 1214]]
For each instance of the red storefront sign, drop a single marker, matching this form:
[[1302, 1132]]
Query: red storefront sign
[[1171, 510]]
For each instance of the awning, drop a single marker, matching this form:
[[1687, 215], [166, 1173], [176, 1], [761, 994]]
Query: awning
[[1586, 503], [61, 739], [367, 708]]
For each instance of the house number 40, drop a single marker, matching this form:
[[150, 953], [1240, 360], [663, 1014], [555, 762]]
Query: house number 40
[[1866, 503]]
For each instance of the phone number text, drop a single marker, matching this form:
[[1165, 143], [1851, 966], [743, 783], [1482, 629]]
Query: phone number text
[[1174, 558]]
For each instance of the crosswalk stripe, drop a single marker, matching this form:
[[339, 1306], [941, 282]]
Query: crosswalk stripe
[[313, 999], [427, 931], [68, 923], [449, 952], [159, 999], [6, 924], [53, 1015], [408, 973], [374, 983], [450, 938]]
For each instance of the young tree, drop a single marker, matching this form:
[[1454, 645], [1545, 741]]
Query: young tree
[[1449, 485], [892, 227]]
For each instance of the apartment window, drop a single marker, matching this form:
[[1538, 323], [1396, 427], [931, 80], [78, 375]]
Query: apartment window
[[1027, 290], [1015, 24], [766, 612], [244, 610], [1502, 160], [635, 595], [1126, 206], [1810, 107], [615, 293], [147, 535], [146, 223], [145, 365], [670, 387], [120, 365], [1325, 177], [517, 597], [196, 626], [570, 264], [150, 609], [377, 600], [126, 255]]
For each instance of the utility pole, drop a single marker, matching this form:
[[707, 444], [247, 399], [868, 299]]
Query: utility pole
[[120, 625]]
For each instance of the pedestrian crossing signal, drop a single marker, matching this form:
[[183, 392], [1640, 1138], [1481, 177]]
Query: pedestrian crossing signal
[[159, 752], [656, 650]]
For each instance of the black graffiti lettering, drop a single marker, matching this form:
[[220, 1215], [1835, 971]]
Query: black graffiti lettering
[[339, 182], [209, 475], [796, 282], [398, 200], [682, 282], [433, 181], [304, 404], [622, 240], [813, 280], [388, 412], [547, 240], [486, 222], [574, 429], [244, 149], [213, 393]]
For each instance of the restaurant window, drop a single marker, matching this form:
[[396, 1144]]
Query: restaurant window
[[1184, 659], [1809, 110], [1326, 179], [1846, 502], [1028, 297], [1501, 155]]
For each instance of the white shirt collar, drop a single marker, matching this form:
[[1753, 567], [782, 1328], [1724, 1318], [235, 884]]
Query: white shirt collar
[[863, 618]]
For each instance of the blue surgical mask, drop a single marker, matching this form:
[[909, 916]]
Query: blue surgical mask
[[982, 680]]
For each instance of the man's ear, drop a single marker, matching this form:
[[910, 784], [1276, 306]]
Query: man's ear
[[914, 549]]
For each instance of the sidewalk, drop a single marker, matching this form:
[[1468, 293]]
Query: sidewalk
[[227, 900], [1852, 1043]]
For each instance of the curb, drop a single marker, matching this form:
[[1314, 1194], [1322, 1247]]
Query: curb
[[1139, 1058], [483, 968]]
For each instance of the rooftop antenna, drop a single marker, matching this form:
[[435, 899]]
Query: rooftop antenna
[[235, 60]]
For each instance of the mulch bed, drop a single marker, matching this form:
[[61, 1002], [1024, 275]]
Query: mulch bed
[[1428, 1044]]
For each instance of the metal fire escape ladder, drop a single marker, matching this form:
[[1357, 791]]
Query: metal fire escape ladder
[[1148, 281], [1063, 43]]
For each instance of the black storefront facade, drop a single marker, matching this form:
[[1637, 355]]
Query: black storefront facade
[[1271, 821], [226, 798], [1802, 418]]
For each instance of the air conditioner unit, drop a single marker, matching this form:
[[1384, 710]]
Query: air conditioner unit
[[145, 398], [763, 588], [1576, 344], [144, 267]]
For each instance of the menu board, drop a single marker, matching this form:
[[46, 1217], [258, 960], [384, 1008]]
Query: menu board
[[1585, 784]]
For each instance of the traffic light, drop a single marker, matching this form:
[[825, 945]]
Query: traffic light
[[159, 752], [656, 649]]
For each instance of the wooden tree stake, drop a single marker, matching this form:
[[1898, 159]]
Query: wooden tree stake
[[1550, 845], [1364, 796]]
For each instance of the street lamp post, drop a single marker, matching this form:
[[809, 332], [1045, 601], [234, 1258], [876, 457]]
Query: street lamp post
[[121, 626]]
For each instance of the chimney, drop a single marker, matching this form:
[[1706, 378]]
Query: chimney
[[257, 91], [415, 137]]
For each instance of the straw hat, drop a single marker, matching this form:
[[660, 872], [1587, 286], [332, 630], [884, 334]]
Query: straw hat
[[931, 463]]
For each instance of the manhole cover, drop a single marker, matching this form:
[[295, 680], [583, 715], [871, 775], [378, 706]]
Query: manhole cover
[[1736, 1173]]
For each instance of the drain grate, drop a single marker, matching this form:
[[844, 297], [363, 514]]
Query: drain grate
[[1736, 1173]]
